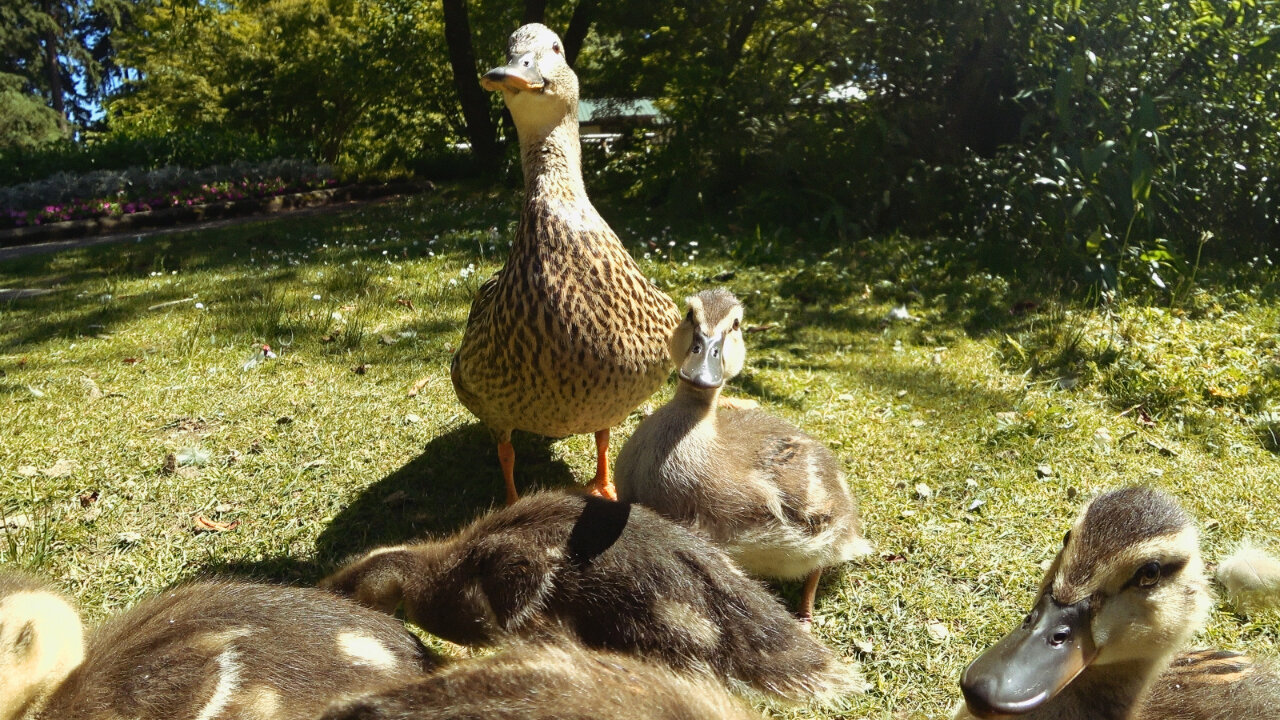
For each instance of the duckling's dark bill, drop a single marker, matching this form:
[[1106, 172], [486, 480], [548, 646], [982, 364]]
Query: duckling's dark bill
[[704, 366], [512, 77], [1031, 664]]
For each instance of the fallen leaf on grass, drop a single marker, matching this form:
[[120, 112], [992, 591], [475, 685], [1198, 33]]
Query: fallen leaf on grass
[[129, 360], [28, 470], [170, 465], [16, 522], [129, 537], [405, 302], [385, 339], [361, 369], [204, 524], [313, 463], [417, 387], [62, 468], [88, 498], [90, 388], [938, 631]]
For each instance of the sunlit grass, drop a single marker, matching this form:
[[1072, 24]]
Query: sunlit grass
[[154, 348]]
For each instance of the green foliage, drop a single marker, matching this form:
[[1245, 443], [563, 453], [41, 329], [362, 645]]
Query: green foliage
[[25, 122]]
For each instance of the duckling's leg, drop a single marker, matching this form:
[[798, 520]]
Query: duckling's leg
[[602, 485], [507, 458], [806, 597]]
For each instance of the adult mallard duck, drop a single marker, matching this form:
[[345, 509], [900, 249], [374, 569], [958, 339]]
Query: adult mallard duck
[[1124, 594], [569, 337], [773, 497], [204, 651], [610, 575], [550, 682]]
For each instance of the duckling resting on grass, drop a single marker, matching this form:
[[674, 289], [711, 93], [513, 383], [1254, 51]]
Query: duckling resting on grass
[[773, 497], [549, 682], [1125, 593], [205, 651], [570, 336], [610, 575]]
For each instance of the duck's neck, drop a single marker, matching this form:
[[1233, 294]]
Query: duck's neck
[[551, 156], [696, 401], [1108, 692]]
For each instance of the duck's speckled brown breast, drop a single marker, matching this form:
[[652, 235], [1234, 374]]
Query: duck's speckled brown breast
[[570, 336]]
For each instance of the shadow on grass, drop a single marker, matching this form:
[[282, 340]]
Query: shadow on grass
[[455, 480]]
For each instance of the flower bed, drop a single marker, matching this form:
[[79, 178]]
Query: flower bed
[[116, 194]]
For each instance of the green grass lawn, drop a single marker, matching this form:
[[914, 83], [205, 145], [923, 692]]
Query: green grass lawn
[[146, 349]]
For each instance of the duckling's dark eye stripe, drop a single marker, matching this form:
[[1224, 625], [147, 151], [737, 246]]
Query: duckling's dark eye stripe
[[1167, 570]]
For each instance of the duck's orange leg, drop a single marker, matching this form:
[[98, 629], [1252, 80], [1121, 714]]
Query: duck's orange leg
[[507, 458], [807, 596], [602, 485]]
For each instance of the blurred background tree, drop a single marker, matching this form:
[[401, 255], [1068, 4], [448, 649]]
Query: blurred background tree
[[1110, 139]]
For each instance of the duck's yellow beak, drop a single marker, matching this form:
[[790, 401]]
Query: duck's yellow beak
[[521, 74], [1033, 663]]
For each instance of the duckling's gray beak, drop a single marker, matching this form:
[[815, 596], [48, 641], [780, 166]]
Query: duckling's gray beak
[[703, 366], [519, 74], [1031, 664]]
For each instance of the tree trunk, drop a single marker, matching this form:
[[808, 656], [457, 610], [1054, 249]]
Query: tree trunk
[[534, 11], [54, 68], [579, 24], [481, 131]]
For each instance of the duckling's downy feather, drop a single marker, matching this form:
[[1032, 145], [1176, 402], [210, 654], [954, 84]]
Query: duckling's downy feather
[[610, 575], [1251, 577], [554, 682], [227, 651]]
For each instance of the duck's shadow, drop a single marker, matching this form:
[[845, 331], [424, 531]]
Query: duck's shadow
[[455, 480]]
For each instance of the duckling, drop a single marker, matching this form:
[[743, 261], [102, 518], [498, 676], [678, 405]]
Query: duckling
[[610, 575], [205, 651], [773, 497], [549, 682], [1125, 593], [569, 336]]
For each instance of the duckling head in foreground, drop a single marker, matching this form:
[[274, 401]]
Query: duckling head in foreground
[[1123, 596]]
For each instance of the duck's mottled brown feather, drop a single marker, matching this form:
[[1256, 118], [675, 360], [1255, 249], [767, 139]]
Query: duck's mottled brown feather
[[570, 336]]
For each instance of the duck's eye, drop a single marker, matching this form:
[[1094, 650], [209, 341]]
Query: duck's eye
[[1148, 575], [737, 323], [555, 48]]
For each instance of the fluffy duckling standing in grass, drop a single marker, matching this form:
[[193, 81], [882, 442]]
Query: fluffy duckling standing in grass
[[1124, 595], [609, 575], [550, 682], [205, 651], [570, 336], [773, 497]]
